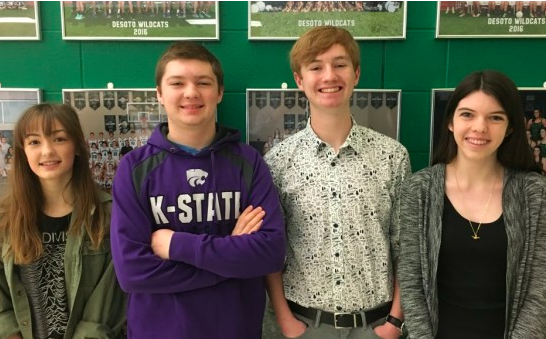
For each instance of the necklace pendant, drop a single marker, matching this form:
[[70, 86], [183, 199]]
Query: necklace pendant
[[475, 237]]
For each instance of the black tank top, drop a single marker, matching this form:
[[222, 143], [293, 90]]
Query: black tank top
[[471, 278]]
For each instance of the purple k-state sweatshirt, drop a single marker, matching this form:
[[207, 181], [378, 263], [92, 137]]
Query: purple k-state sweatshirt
[[213, 285]]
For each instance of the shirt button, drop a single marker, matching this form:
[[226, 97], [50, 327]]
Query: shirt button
[[19, 293], [24, 323]]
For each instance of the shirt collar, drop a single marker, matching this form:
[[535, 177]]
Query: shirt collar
[[355, 140]]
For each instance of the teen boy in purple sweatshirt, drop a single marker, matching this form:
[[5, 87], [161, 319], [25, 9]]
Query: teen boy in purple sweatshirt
[[196, 220]]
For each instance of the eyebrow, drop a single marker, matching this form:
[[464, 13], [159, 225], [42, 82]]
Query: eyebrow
[[177, 77], [339, 57], [34, 134], [473, 110]]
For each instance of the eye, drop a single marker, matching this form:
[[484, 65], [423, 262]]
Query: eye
[[498, 118], [465, 114], [340, 65], [33, 142]]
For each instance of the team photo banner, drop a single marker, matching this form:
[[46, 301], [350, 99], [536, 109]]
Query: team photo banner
[[140, 20], [491, 19], [287, 20]]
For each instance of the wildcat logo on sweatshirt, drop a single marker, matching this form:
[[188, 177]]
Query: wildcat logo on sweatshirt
[[196, 177]]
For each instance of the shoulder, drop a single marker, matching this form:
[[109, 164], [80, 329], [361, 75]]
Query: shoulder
[[238, 151], [529, 182], [104, 198], [378, 140], [426, 177], [143, 154], [293, 148]]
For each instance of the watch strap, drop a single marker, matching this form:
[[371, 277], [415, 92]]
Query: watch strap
[[395, 321]]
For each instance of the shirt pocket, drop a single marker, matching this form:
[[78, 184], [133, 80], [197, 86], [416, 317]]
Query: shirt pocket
[[94, 262]]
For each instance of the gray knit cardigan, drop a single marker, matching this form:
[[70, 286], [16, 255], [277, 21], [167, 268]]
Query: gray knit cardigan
[[419, 211]]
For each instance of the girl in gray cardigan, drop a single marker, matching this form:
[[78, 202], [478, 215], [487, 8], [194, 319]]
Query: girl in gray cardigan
[[473, 226]]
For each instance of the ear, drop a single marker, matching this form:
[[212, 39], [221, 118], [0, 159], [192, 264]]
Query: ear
[[220, 94], [508, 132], [159, 97], [299, 81], [450, 126], [357, 75]]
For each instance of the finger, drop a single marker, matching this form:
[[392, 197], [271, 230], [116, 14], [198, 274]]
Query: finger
[[256, 227], [254, 224], [248, 215]]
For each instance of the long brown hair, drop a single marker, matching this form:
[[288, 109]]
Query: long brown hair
[[21, 207], [514, 152]]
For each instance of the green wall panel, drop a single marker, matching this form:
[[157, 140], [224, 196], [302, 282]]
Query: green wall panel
[[521, 59], [123, 63], [414, 65], [232, 112], [415, 121]]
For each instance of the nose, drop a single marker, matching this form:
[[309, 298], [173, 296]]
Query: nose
[[191, 91], [330, 73], [47, 147], [480, 125]]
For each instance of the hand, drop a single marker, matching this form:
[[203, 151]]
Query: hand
[[249, 221], [387, 331], [292, 327], [161, 242]]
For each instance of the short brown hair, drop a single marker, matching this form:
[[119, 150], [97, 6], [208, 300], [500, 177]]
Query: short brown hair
[[189, 51], [317, 41]]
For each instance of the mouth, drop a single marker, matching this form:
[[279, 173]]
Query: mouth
[[330, 89], [192, 106], [50, 163], [477, 142]]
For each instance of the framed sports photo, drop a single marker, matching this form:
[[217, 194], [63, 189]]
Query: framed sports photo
[[287, 20], [13, 102], [114, 121], [19, 20], [276, 114], [140, 20], [491, 19], [534, 108]]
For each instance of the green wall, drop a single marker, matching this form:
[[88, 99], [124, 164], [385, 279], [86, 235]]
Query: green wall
[[414, 65]]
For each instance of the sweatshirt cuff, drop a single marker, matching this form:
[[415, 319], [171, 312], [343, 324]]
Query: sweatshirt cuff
[[182, 247]]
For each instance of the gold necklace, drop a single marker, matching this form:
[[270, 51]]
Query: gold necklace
[[475, 231]]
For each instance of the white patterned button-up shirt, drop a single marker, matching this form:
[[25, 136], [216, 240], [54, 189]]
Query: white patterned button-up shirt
[[337, 211]]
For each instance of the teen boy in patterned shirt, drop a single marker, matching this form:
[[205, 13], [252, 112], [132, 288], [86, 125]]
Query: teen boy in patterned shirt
[[337, 183]]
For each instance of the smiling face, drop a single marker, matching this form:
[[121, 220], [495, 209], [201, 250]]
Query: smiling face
[[50, 157], [479, 126], [328, 81], [190, 93]]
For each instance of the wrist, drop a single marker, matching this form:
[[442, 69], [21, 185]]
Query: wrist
[[396, 322]]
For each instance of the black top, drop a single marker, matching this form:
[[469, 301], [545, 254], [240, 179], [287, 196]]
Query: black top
[[471, 278], [44, 281]]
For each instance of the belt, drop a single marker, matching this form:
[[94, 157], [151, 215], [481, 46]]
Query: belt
[[341, 319]]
